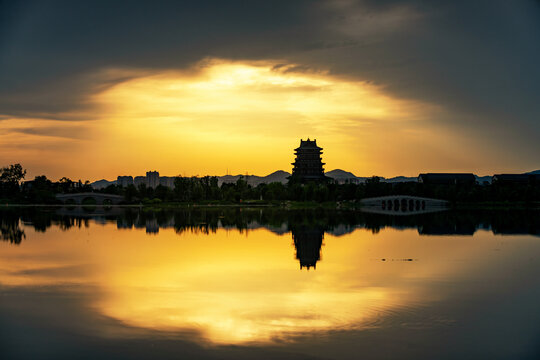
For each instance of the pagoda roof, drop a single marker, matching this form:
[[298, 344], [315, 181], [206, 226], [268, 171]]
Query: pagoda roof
[[308, 144]]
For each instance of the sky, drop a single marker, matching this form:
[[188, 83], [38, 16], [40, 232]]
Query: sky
[[93, 90]]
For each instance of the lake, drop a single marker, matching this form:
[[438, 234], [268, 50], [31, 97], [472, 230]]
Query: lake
[[241, 283]]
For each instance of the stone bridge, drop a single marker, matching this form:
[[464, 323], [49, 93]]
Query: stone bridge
[[99, 198], [404, 204]]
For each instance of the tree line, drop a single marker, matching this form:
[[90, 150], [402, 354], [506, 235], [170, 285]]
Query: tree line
[[207, 189]]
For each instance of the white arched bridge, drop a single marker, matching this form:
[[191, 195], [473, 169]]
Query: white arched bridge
[[403, 204], [99, 198]]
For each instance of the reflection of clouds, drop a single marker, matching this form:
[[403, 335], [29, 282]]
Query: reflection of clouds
[[240, 317], [238, 288]]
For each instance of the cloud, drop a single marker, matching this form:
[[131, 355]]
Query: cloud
[[477, 61], [60, 132], [77, 271], [50, 49]]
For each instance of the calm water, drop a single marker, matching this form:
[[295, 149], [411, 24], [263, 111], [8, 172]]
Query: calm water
[[257, 284]]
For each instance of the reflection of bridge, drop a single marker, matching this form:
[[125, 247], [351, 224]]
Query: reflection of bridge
[[90, 212], [402, 204], [99, 198]]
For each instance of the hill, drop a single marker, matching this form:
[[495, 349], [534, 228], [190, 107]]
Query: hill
[[102, 184], [254, 180], [483, 179], [339, 174], [277, 176], [398, 179]]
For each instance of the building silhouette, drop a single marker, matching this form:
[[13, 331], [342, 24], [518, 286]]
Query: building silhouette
[[152, 179], [167, 181], [124, 181], [139, 180], [308, 165]]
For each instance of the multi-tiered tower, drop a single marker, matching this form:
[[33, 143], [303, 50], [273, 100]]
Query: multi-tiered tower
[[308, 165]]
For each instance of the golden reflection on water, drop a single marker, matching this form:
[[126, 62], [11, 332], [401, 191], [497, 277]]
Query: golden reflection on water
[[237, 287]]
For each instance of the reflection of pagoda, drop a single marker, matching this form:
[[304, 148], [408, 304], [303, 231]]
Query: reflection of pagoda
[[308, 164], [308, 242]]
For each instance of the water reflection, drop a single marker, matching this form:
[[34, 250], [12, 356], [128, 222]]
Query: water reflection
[[230, 276], [307, 227], [299, 222], [10, 229], [308, 241]]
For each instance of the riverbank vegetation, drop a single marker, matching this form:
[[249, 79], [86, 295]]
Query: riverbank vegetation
[[207, 190]]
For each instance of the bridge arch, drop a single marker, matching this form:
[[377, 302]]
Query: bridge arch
[[99, 198], [90, 200], [402, 204]]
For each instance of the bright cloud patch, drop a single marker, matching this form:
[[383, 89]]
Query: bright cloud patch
[[220, 116]]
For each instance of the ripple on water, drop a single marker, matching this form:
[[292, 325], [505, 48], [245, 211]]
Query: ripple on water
[[411, 316]]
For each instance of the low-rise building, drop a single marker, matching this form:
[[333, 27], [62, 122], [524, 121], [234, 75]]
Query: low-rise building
[[139, 180], [124, 181], [167, 181], [152, 179]]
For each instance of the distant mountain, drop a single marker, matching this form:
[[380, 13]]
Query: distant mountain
[[483, 179], [399, 179], [102, 184], [228, 179], [339, 174], [254, 180], [277, 176], [343, 176], [535, 172]]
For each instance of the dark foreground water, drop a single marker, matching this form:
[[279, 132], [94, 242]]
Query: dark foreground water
[[264, 284]]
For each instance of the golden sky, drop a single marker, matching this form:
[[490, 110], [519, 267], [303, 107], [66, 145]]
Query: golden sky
[[240, 117], [387, 88]]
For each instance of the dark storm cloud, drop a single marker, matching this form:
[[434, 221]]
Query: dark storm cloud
[[469, 56], [478, 60], [49, 48]]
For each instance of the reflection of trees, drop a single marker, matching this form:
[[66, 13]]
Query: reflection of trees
[[66, 223], [10, 229], [40, 220], [299, 222]]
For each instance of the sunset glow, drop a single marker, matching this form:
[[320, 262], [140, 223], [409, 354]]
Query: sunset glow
[[179, 286], [223, 116], [322, 179]]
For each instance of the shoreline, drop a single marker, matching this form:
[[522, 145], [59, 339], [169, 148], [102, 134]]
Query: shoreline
[[286, 205]]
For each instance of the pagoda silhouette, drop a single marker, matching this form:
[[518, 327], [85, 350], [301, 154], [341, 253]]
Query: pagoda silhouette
[[308, 165]]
